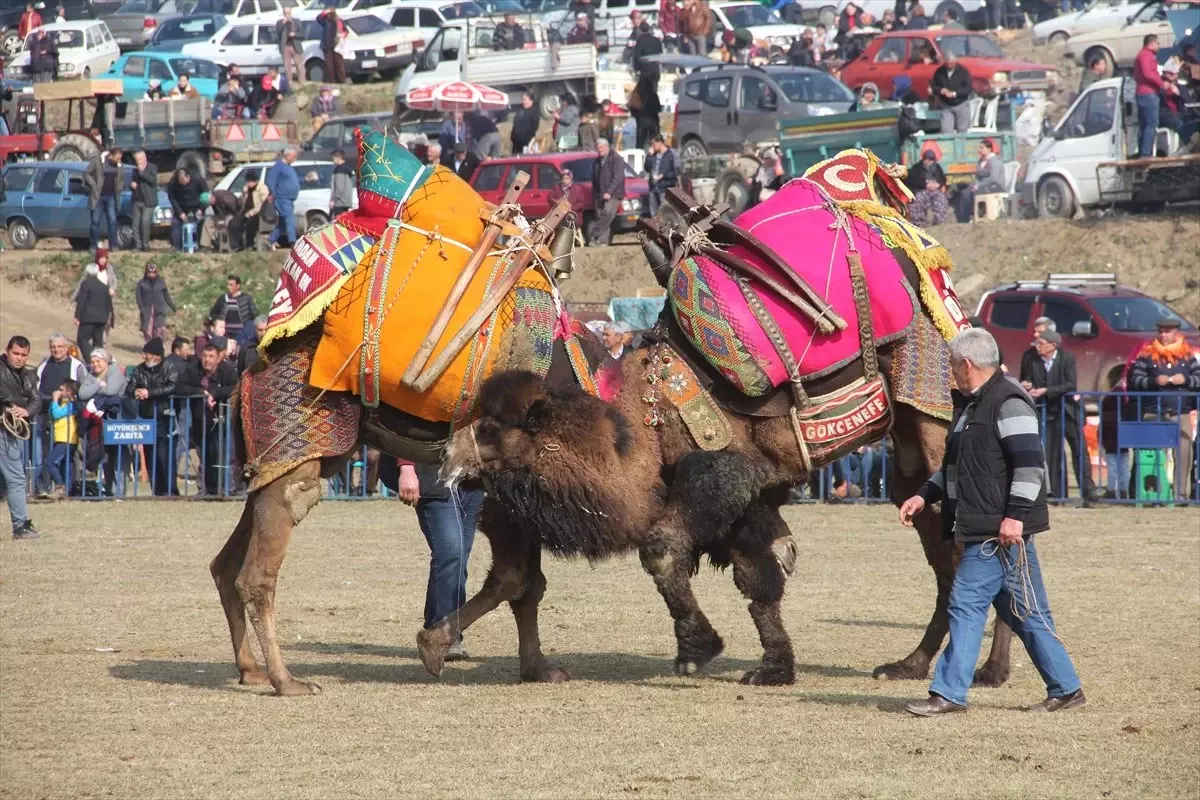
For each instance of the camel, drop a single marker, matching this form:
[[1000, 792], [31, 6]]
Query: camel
[[582, 477]]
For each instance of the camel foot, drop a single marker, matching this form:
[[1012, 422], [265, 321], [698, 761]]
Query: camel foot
[[546, 674], [770, 676], [905, 670], [696, 657], [991, 675], [295, 688], [253, 677], [432, 645]]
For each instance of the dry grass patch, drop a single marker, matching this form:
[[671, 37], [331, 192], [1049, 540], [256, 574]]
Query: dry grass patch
[[162, 715]]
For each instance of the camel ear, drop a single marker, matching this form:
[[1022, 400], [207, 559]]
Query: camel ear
[[537, 417]]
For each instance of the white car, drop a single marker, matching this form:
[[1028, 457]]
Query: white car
[[312, 205], [379, 8], [1097, 16], [763, 23], [422, 18], [85, 48]]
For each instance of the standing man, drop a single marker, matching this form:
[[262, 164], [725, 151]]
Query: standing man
[[668, 23], [608, 190], [93, 307], [1097, 70], [951, 85], [1050, 380], [283, 187], [1040, 326], [105, 181], [449, 528], [152, 384], [155, 305], [566, 187], [484, 135], [30, 21], [245, 226], [1149, 85], [18, 397], [332, 32], [208, 382], [43, 57], [697, 26], [1168, 365], [525, 124], [660, 169], [145, 199], [287, 33], [508, 35], [341, 185], [235, 308], [993, 493]]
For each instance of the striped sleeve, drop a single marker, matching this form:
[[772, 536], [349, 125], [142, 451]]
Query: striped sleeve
[[1017, 426]]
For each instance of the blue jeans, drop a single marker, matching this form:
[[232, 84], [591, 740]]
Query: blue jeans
[[985, 579], [56, 466], [287, 220], [450, 531], [1119, 471], [105, 212], [1147, 124], [12, 468]]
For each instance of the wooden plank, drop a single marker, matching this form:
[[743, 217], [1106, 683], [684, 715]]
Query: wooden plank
[[74, 90]]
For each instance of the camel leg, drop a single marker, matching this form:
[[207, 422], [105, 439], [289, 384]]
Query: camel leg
[[278, 507], [534, 668], [507, 580], [995, 670], [225, 568], [671, 566], [761, 579]]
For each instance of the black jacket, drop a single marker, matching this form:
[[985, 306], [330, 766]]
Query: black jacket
[[608, 177], [508, 37], [1145, 370], [93, 303], [801, 54], [146, 193], [154, 301], [43, 54], [19, 387], [186, 198], [664, 165], [647, 45], [524, 128], [329, 31], [466, 168], [161, 382], [1059, 382], [479, 124], [919, 174], [246, 309], [959, 83], [221, 384]]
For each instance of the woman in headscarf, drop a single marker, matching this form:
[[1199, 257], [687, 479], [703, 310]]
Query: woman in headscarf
[[101, 395]]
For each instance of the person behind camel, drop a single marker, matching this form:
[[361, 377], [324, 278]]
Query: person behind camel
[[993, 493], [208, 382]]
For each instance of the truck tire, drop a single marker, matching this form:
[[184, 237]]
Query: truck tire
[[1059, 38], [10, 44], [74, 147], [1055, 200], [827, 16], [193, 163], [732, 190], [125, 233], [1102, 52], [315, 70], [21, 235], [956, 10], [548, 103], [315, 219], [692, 147]]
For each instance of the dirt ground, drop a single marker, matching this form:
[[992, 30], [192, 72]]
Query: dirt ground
[[116, 678]]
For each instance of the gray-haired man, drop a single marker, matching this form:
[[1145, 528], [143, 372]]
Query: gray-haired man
[[608, 190], [992, 485]]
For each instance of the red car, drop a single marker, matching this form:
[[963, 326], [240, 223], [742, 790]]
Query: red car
[[1101, 322], [492, 178], [891, 55]]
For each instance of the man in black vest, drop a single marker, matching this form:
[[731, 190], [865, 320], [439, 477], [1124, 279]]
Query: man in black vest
[[993, 493], [1049, 378]]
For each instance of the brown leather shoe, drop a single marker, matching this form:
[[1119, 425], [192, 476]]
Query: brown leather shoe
[[1074, 700], [934, 705]]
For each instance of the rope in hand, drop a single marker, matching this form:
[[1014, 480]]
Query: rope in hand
[[1027, 605], [17, 426]]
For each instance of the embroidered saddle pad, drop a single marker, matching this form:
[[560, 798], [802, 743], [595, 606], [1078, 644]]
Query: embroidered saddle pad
[[714, 308]]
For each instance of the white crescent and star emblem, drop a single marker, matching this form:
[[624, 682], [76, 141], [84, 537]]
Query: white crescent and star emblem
[[831, 176]]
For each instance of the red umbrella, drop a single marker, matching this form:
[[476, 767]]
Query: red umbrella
[[456, 96]]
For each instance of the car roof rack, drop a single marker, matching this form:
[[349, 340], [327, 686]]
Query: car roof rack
[[1071, 280]]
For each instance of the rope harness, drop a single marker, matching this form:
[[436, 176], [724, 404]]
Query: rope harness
[[1025, 605]]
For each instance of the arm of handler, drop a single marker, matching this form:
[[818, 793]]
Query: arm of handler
[[1017, 427]]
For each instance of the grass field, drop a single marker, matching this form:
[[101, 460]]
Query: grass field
[[116, 677]]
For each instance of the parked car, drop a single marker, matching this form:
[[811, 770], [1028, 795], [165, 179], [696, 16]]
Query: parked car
[[134, 23], [493, 178], [898, 53], [1097, 16], [378, 47], [763, 23], [1167, 19], [424, 17], [85, 48], [312, 205], [243, 8], [172, 35], [137, 70], [48, 198], [10, 20], [380, 8], [1101, 321], [338, 134], [723, 106]]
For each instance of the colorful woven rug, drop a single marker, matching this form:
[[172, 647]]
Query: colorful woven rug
[[920, 370], [286, 422]]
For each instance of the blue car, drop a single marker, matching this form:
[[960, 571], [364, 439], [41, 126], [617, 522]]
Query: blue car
[[172, 35], [49, 198], [136, 70]]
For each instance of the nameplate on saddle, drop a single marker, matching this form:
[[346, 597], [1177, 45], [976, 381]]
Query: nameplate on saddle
[[844, 420], [672, 379]]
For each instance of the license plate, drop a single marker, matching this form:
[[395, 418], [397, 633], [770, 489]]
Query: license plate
[[370, 63], [124, 40]]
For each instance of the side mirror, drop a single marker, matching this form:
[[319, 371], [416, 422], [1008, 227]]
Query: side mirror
[[1084, 329], [1047, 128]]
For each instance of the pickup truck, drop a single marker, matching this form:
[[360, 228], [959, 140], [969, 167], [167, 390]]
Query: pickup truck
[[461, 50], [1085, 161]]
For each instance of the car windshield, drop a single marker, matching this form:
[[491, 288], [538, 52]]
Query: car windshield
[[195, 28], [368, 24], [974, 46], [751, 14], [196, 68], [1135, 314], [65, 39], [813, 87], [141, 6], [462, 10]]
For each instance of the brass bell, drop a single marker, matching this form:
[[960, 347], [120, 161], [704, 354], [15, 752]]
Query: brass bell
[[562, 249]]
